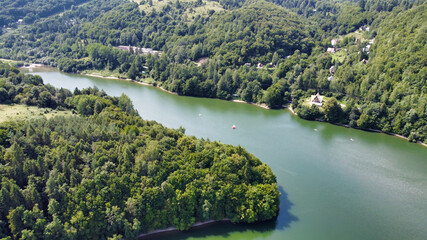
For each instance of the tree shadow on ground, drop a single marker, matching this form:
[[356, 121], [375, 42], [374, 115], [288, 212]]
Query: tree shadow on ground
[[225, 229]]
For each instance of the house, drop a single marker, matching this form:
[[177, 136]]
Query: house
[[138, 50], [364, 61], [146, 51], [126, 48], [259, 65], [334, 42], [330, 50], [330, 78], [366, 49], [316, 100], [332, 70], [20, 21], [248, 64], [364, 28], [200, 61]]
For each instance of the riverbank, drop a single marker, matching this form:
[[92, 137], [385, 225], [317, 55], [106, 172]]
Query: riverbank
[[376, 131], [159, 232], [263, 105], [34, 65], [292, 110], [106, 77], [127, 79], [256, 104], [236, 100], [163, 89], [363, 129]]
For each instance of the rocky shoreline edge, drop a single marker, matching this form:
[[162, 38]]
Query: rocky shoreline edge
[[168, 230]]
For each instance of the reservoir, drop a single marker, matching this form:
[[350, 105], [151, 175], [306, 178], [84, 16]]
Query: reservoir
[[336, 182]]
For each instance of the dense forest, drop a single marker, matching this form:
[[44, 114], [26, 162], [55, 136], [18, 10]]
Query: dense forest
[[270, 52], [29, 10], [106, 173]]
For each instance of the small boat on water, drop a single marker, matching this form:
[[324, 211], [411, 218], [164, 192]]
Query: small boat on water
[[233, 127]]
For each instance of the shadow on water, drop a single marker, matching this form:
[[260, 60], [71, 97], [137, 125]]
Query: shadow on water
[[224, 229], [285, 217]]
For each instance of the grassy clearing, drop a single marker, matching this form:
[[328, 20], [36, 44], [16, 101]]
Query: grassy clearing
[[11, 62], [149, 80], [105, 73], [20, 112], [189, 13], [8, 61], [361, 36], [203, 10], [342, 103], [339, 56]]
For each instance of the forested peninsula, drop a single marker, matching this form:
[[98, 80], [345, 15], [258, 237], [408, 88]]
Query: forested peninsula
[[365, 58], [100, 171]]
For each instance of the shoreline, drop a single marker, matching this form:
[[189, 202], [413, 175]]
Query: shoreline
[[261, 105], [129, 80], [363, 129], [379, 131], [34, 65], [292, 110], [235, 100], [175, 230]]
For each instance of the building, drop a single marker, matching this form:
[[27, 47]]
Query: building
[[126, 48], [201, 61], [330, 50], [366, 49], [334, 42], [316, 100], [330, 78], [138, 50], [20, 21], [332, 70], [364, 28]]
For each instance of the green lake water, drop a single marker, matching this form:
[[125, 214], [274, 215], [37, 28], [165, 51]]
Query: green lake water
[[336, 183]]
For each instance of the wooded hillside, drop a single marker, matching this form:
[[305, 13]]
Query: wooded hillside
[[358, 54], [108, 173]]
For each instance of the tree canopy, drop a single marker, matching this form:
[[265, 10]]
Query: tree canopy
[[368, 54], [106, 172]]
